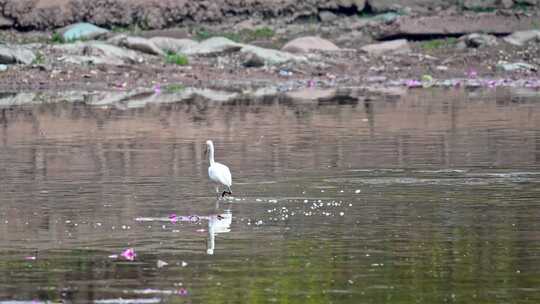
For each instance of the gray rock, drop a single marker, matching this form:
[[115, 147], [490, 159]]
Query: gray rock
[[393, 46], [521, 38], [167, 44], [309, 43], [107, 50], [476, 40], [480, 4], [142, 45], [221, 45], [387, 18], [213, 46], [81, 30], [270, 56], [516, 66], [83, 60], [97, 52], [5, 22], [327, 16], [16, 54]]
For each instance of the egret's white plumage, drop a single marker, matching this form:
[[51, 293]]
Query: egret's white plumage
[[218, 173]]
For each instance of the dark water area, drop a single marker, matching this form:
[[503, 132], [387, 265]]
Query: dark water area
[[431, 197]]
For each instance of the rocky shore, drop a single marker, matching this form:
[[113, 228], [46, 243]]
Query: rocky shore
[[292, 46]]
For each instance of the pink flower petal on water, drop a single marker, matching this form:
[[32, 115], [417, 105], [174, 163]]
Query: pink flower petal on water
[[173, 217], [472, 73], [157, 89], [413, 83], [491, 83], [129, 254], [182, 292], [30, 258]]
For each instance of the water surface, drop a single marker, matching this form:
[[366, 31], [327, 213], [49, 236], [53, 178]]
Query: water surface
[[432, 197]]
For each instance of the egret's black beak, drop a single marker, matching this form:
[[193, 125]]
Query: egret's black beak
[[206, 151]]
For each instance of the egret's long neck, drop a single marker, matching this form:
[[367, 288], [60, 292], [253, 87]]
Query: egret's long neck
[[211, 154]]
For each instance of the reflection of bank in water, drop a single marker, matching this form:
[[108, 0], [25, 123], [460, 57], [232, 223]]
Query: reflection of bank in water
[[218, 223]]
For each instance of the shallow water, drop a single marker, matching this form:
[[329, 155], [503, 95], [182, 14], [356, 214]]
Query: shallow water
[[431, 197]]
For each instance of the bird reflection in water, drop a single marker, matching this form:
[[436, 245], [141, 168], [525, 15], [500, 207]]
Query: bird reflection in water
[[217, 223]]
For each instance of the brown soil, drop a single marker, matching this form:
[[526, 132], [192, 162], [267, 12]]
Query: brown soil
[[350, 68], [439, 59]]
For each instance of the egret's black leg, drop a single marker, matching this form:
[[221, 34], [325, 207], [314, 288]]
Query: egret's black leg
[[226, 192]]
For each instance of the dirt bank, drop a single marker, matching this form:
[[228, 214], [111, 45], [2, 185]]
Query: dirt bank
[[156, 14], [426, 57]]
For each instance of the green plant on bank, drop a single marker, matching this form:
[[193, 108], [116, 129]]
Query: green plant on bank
[[57, 38], [40, 59], [174, 88], [436, 44], [261, 33], [175, 58], [366, 14], [232, 36], [203, 34]]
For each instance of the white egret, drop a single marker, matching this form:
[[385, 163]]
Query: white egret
[[218, 173]]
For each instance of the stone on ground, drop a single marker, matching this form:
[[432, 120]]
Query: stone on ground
[[10, 54], [393, 46], [173, 45], [477, 40], [213, 46], [521, 38], [142, 45], [271, 56], [98, 53], [309, 43], [81, 30]]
